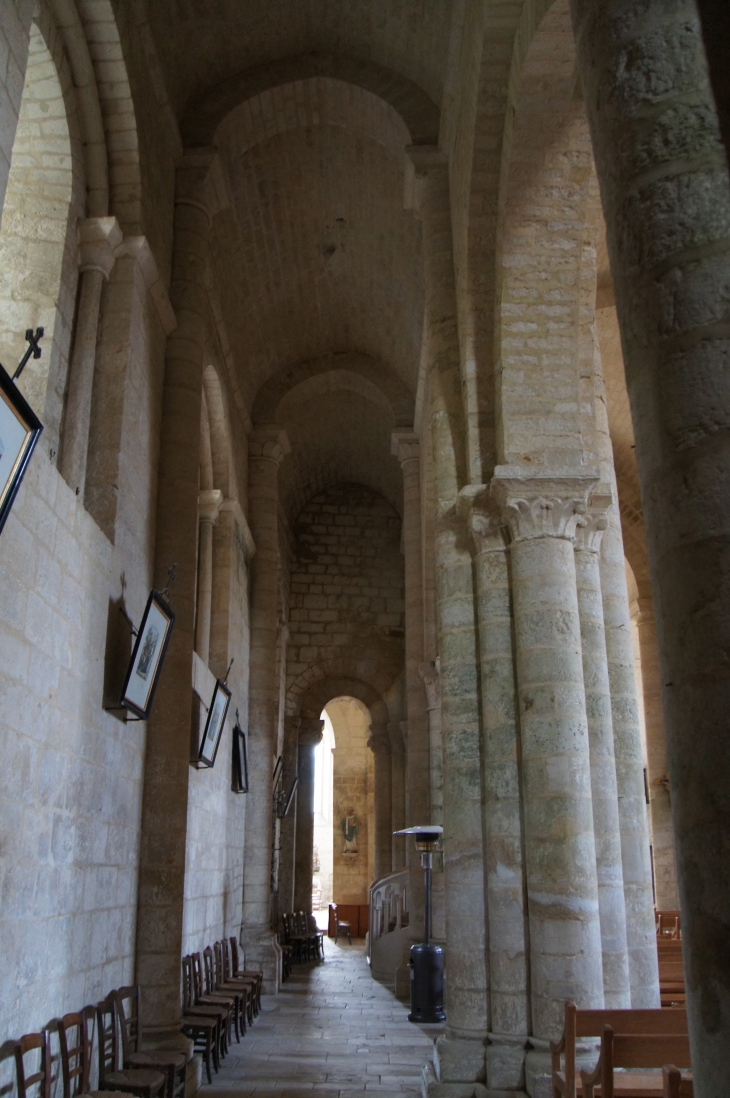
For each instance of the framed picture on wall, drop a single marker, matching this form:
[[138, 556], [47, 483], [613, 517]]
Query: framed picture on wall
[[147, 657], [214, 725], [20, 430], [240, 761]]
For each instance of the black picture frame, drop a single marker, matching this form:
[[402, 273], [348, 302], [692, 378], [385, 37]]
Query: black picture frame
[[148, 656], [239, 779], [214, 725], [278, 767], [290, 797], [20, 430]]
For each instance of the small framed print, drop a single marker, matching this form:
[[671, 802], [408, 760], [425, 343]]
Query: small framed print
[[240, 761], [214, 724], [20, 430], [149, 652]]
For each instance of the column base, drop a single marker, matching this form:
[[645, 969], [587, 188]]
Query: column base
[[506, 1054], [262, 951], [460, 1060]]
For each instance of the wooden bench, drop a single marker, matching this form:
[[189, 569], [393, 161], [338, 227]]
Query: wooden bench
[[676, 1085], [634, 1050], [591, 1023]]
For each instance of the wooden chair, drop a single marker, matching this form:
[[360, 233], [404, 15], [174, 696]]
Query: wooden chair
[[25, 1077], [212, 991], [74, 1045], [173, 1064], [295, 938], [144, 1082], [196, 1002], [223, 961], [634, 1050], [318, 936], [341, 927], [590, 1023], [203, 997], [203, 1021], [676, 1085], [240, 987], [236, 970], [287, 950], [203, 1032]]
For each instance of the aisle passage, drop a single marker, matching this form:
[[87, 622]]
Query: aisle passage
[[333, 1030]]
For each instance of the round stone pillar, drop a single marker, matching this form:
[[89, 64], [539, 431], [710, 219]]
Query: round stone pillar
[[98, 238], [606, 824], [398, 794], [461, 1052], [660, 806], [379, 744], [666, 198], [209, 504], [167, 758], [506, 901], [310, 734], [267, 447], [560, 853]]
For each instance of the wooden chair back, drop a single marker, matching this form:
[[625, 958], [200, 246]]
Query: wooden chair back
[[129, 1011], [633, 1050], [25, 1077], [188, 983], [75, 1049], [208, 962], [674, 1085], [226, 957], [218, 966], [234, 955], [197, 964], [107, 1039]]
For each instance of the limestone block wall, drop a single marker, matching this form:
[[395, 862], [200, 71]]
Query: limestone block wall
[[71, 794], [347, 586], [15, 19]]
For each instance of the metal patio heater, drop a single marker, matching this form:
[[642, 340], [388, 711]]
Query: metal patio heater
[[427, 960]]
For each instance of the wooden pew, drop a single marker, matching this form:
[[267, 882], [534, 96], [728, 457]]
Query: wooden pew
[[676, 1085], [590, 1023], [634, 1050]]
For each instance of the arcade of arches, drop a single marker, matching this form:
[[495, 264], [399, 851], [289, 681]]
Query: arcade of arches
[[401, 328]]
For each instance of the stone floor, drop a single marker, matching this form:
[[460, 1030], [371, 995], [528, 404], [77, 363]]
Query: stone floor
[[332, 1031]]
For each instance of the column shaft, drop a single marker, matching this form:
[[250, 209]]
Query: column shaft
[[398, 804], [167, 759], [310, 735], [208, 504], [461, 1052], [664, 186], [383, 807], [606, 825], [267, 446], [635, 855], [665, 865]]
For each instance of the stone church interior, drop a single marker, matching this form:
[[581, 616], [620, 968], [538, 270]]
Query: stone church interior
[[366, 465]]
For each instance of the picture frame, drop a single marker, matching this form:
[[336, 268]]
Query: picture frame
[[240, 761], [20, 430], [290, 798], [217, 713], [278, 767], [148, 655]]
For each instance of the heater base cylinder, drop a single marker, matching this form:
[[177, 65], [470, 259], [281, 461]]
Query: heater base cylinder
[[427, 984]]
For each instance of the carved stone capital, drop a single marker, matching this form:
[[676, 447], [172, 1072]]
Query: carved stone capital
[[591, 525], [484, 519], [431, 675], [209, 504], [268, 443], [200, 181], [421, 160], [310, 731], [405, 445], [547, 504], [99, 237]]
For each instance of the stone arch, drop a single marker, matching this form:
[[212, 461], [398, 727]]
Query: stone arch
[[330, 686], [45, 196], [418, 111], [340, 367]]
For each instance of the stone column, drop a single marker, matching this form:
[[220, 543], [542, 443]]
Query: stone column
[[560, 853], [98, 237], [664, 186], [209, 503], [660, 806], [288, 826], [398, 797], [461, 1052], [606, 823], [379, 744], [635, 853], [405, 446], [430, 674], [509, 1021], [167, 759], [310, 734], [267, 447]]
